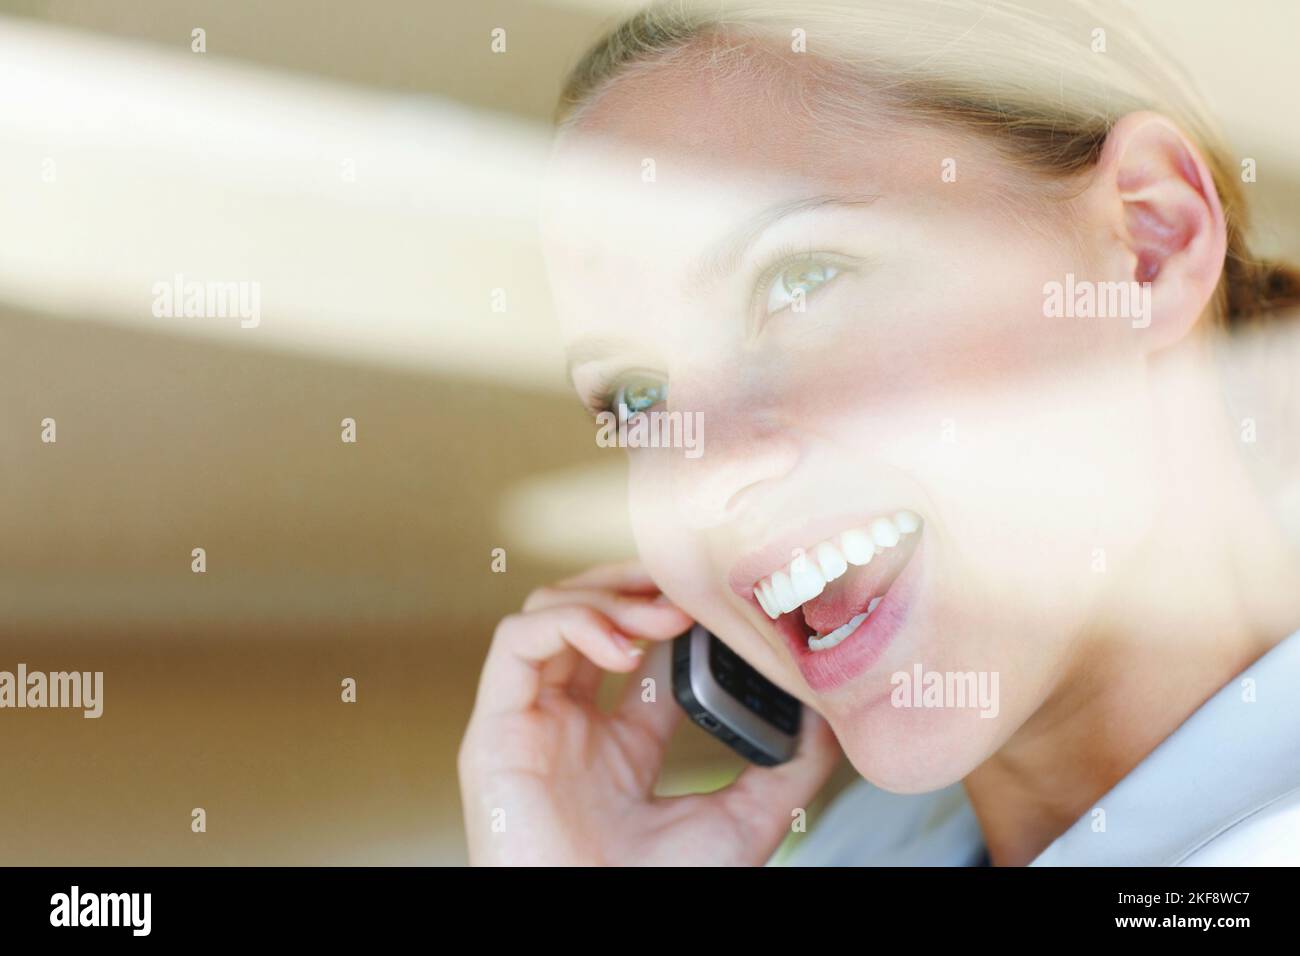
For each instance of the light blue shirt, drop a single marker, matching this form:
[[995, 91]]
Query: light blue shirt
[[1222, 789]]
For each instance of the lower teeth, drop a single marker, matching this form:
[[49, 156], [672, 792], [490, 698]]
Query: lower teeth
[[822, 642]]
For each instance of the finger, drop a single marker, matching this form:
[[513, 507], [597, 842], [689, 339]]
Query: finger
[[585, 680], [763, 799], [627, 576], [637, 616], [652, 706], [524, 644]]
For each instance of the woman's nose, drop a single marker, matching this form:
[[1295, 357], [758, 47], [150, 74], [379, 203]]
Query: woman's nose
[[743, 450]]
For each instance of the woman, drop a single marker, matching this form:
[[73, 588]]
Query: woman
[[947, 286]]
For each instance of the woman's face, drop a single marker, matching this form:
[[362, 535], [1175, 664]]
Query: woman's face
[[856, 318]]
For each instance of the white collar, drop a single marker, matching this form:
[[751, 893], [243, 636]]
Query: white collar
[[1236, 756]]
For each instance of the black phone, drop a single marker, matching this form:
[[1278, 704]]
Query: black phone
[[732, 701]]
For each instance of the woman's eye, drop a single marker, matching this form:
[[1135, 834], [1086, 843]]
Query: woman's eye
[[796, 282], [638, 396]]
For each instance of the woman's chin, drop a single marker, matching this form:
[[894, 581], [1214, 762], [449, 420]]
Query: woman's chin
[[904, 751]]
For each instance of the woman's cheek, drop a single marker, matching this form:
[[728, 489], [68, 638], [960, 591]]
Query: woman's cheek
[[663, 542], [682, 566]]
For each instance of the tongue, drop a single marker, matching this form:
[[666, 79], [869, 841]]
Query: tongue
[[849, 595]]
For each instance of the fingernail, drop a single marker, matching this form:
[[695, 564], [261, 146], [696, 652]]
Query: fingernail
[[626, 646]]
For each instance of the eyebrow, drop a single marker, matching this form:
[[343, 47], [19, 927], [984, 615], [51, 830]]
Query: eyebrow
[[719, 262]]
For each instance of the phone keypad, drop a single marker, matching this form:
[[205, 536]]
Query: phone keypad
[[752, 689]]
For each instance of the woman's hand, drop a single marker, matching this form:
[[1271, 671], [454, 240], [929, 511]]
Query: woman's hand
[[548, 778]]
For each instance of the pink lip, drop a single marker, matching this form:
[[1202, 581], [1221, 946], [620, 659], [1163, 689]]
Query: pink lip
[[824, 671], [752, 568]]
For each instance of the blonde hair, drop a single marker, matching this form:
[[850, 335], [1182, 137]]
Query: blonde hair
[[1044, 84]]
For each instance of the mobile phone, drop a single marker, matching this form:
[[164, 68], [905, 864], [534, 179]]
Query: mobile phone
[[732, 701]]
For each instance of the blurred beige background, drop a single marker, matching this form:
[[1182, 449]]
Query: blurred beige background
[[373, 165]]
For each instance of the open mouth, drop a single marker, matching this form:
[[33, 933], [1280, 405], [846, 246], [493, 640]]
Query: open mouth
[[835, 602]]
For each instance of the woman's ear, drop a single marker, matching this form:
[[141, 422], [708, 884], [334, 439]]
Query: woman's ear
[[1162, 221]]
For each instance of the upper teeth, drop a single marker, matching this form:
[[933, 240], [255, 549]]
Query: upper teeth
[[807, 575]]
